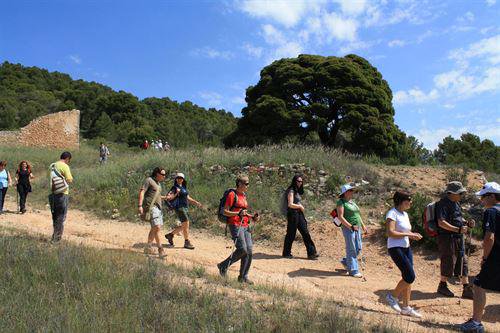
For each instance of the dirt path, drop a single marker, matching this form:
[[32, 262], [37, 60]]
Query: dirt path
[[322, 278]]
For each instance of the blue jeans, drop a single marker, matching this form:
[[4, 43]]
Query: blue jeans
[[3, 193], [59, 209], [244, 250], [352, 249]]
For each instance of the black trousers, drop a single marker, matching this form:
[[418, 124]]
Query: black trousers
[[297, 220], [23, 194]]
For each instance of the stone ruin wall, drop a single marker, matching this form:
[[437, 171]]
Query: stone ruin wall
[[55, 130]]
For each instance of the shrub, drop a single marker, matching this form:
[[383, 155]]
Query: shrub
[[457, 174]]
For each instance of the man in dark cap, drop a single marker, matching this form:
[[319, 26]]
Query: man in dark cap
[[451, 230]]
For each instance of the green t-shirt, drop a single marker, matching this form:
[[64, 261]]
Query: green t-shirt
[[64, 170], [351, 212]]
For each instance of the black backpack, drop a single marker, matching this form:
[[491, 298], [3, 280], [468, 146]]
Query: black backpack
[[222, 203]]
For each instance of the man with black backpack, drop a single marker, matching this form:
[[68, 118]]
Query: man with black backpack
[[237, 219], [451, 232], [60, 177], [489, 276]]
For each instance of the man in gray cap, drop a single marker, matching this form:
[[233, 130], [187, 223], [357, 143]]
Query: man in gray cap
[[451, 231]]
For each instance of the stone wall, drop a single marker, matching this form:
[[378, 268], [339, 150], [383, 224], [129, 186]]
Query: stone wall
[[56, 130]]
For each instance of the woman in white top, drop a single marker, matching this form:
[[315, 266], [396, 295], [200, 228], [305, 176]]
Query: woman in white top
[[398, 242]]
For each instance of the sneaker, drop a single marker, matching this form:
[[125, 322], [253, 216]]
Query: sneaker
[[344, 264], [471, 326], [161, 253], [170, 239], [409, 311], [313, 256], [288, 256], [443, 290], [188, 245], [393, 302], [222, 270], [468, 292], [245, 280], [357, 275]]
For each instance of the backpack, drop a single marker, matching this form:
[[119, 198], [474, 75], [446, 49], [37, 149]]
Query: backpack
[[284, 202], [58, 182], [336, 221], [429, 220], [220, 212], [172, 204]]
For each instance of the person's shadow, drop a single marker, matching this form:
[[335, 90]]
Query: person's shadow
[[415, 295], [492, 313], [266, 256], [308, 272]]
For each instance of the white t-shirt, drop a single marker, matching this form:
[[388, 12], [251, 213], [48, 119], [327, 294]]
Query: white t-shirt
[[402, 225]]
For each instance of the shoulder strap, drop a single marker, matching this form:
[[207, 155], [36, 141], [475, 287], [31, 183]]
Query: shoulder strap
[[235, 201], [155, 198], [53, 166]]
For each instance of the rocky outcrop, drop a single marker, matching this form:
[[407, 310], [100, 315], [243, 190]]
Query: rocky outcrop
[[56, 130]]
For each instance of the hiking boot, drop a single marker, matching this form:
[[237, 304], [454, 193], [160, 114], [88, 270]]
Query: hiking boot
[[188, 245], [148, 250], [471, 326], [161, 253], [467, 293], [443, 290], [409, 311], [313, 256], [393, 302], [245, 280], [170, 238], [222, 270], [344, 264]]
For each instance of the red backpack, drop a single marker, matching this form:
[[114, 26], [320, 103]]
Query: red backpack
[[429, 220]]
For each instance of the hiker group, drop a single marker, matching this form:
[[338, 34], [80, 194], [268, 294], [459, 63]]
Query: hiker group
[[442, 219]]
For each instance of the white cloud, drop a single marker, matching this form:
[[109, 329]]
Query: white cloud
[[354, 8], [272, 35], [211, 53], [414, 96], [252, 50], [488, 48], [396, 43], [339, 28], [75, 58], [287, 13], [491, 2], [212, 98]]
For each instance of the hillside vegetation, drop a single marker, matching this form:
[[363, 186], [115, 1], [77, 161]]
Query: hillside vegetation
[[30, 92]]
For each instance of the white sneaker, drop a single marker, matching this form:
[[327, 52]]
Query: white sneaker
[[357, 275], [409, 311], [393, 302]]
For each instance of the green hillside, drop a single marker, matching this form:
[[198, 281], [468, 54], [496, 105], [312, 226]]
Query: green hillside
[[30, 92]]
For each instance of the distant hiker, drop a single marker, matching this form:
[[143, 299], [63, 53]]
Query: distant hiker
[[489, 276], [238, 220], [451, 243], [60, 177], [103, 153], [5, 182], [145, 145], [296, 220], [398, 243], [180, 199], [350, 216], [166, 146], [150, 204], [23, 184]]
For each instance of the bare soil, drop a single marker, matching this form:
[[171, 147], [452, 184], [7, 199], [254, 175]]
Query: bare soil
[[324, 278]]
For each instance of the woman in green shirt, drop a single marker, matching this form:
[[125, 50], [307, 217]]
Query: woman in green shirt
[[349, 214]]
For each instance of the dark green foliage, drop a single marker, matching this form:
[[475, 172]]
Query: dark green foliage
[[470, 152], [345, 101], [419, 201], [30, 92]]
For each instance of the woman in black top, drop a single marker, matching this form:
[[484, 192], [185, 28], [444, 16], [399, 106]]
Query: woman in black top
[[23, 177], [297, 220]]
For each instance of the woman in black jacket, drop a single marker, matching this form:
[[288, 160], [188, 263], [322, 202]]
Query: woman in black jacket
[[23, 181], [297, 220]]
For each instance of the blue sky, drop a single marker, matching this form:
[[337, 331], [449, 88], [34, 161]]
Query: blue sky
[[441, 58]]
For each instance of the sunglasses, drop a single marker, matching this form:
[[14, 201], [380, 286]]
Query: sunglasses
[[163, 174], [246, 184], [300, 181]]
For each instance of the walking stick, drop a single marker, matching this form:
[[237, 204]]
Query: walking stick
[[17, 200]]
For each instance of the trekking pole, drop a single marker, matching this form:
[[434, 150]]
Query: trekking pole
[[17, 200], [233, 249], [363, 261]]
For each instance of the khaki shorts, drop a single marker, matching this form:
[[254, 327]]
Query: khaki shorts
[[156, 217], [182, 214]]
